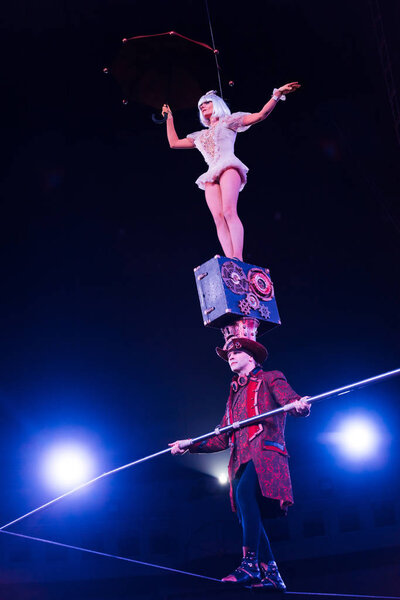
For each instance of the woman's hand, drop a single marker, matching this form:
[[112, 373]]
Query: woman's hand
[[166, 111], [289, 87], [176, 447]]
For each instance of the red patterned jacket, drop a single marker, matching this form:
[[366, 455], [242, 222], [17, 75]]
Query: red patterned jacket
[[264, 443]]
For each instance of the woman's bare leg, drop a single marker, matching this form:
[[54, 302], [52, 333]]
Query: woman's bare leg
[[214, 203], [230, 182]]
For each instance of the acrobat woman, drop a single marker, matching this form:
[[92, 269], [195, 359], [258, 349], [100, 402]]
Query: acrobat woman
[[226, 175]]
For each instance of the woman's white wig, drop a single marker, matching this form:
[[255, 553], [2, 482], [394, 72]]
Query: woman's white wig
[[220, 108]]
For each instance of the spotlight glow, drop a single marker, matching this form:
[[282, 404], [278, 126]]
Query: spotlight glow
[[223, 478], [359, 437], [67, 466]]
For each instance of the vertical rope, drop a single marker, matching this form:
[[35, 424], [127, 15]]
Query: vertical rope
[[215, 50]]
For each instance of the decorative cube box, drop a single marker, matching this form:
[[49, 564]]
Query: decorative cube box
[[230, 290]]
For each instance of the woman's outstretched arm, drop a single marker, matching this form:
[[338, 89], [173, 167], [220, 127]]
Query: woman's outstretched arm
[[270, 105], [173, 140]]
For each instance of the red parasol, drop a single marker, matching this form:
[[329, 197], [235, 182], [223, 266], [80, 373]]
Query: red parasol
[[165, 68]]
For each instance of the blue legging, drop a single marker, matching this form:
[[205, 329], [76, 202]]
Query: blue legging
[[248, 497]]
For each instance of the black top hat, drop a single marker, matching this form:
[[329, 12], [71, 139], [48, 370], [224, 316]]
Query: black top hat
[[257, 350]]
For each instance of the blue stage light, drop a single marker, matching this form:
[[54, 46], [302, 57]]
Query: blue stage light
[[360, 438], [215, 465], [223, 478], [67, 465]]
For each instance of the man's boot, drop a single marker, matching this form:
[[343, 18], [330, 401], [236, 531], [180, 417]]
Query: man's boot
[[271, 578], [248, 572]]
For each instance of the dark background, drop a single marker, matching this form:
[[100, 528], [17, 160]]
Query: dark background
[[101, 227]]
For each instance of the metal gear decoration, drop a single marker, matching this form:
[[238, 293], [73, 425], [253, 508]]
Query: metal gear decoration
[[261, 284], [265, 312], [244, 306], [234, 278], [253, 301]]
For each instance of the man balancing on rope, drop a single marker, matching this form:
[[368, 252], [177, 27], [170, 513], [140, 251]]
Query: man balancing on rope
[[260, 486]]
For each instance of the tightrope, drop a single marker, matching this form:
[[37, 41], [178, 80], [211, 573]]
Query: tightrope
[[341, 595], [106, 555], [180, 571]]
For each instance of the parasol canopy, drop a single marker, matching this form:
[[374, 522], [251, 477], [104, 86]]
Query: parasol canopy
[[165, 68]]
